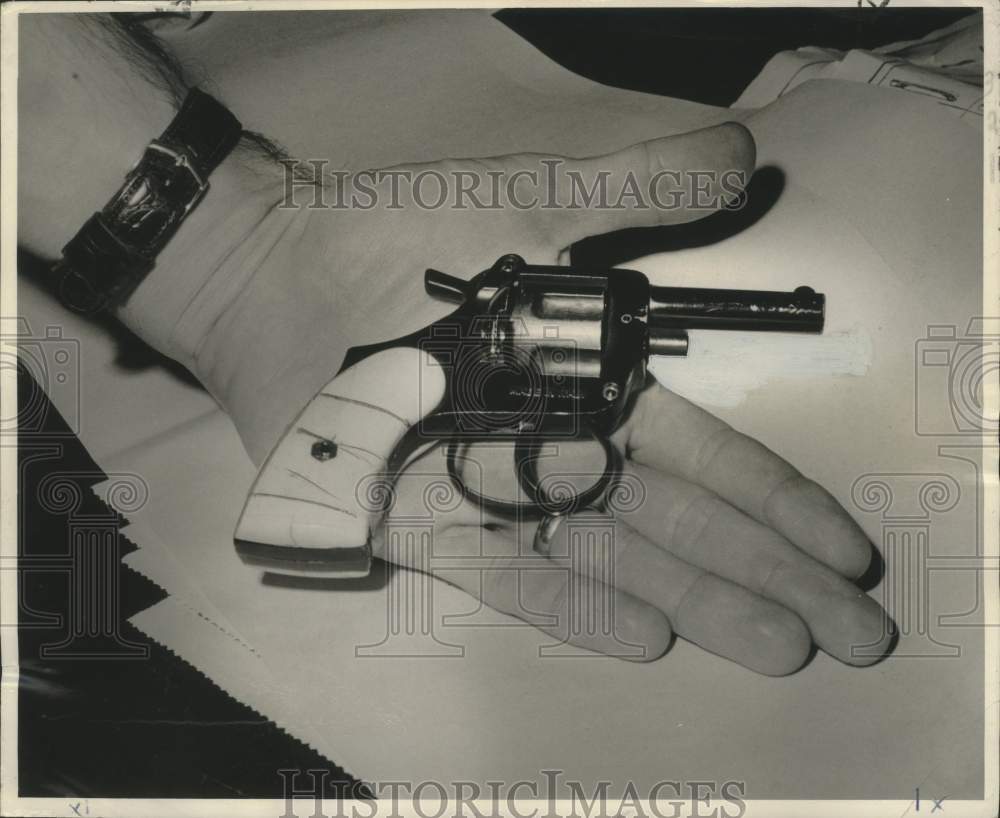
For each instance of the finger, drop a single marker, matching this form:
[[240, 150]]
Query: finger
[[602, 619], [670, 180], [670, 434], [718, 615], [707, 532]]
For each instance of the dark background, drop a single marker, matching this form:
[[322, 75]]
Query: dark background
[[707, 55], [142, 722]]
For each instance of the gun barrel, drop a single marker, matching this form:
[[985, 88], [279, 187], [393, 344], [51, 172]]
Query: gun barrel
[[758, 310]]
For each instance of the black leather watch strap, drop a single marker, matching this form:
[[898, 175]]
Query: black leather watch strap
[[117, 247], [206, 128]]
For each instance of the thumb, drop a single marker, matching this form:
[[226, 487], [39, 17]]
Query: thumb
[[670, 180]]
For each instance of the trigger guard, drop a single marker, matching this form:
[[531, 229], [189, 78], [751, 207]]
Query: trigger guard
[[526, 454]]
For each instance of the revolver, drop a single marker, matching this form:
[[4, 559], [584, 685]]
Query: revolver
[[531, 354]]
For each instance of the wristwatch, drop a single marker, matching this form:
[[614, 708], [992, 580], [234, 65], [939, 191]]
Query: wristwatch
[[117, 247]]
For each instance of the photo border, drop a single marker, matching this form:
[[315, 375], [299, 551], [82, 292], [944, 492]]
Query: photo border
[[12, 804]]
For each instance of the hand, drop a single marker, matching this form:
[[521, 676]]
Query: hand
[[271, 325], [719, 541], [732, 548]]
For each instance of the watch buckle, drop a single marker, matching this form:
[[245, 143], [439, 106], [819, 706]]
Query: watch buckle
[[181, 160]]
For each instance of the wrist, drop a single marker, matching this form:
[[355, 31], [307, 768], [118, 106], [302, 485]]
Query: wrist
[[210, 258], [96, 106], [267, 331]]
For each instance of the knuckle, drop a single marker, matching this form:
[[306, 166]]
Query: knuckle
[[676, 614], [791, 487], [713, 445], [627, 543], [795, 483], [770, 574], [693, 520]]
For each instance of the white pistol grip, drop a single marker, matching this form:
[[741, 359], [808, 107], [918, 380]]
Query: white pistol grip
[[310, 510]]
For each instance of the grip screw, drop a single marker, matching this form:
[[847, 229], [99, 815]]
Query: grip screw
[[324, 450], [610, 391]]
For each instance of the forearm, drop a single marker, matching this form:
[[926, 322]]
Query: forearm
[[91, 99], [86, 115]]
